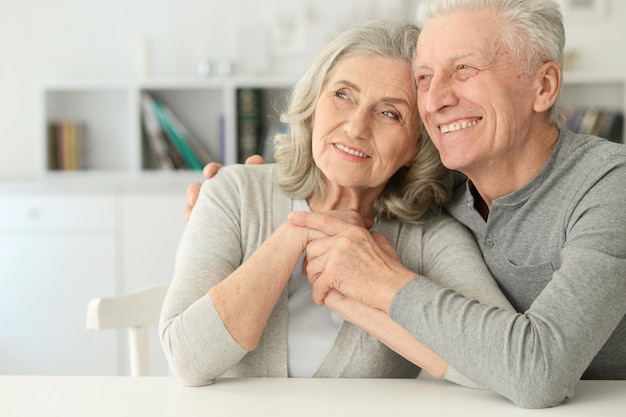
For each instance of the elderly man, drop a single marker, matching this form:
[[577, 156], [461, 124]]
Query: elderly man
[[546, 207]]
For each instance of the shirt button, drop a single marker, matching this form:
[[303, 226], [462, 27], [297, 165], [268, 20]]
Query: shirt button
[[488, 243], [470, 204]]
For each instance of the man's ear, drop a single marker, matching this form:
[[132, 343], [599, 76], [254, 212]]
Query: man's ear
[[549, 78]]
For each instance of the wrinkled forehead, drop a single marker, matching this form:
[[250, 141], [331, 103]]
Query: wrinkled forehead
[[459, 35]]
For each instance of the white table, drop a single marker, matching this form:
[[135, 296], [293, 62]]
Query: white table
[[69, 396]]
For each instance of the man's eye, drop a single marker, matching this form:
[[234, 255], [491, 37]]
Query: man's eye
[[423, 80], [463, 72]]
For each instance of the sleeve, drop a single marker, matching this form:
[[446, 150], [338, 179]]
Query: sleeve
[[197, 345], [535, 358], [452, 260]]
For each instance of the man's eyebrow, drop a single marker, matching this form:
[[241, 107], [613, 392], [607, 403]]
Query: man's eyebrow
[[452, 59]]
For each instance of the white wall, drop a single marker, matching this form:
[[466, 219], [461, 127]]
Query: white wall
[[50, 39]]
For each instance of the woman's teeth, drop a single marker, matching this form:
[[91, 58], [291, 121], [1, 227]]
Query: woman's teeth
[[350, 151]]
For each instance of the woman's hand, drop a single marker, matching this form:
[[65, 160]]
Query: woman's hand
[[351, 260]]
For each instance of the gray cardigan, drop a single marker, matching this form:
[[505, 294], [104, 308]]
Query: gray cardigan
[[236, 211]]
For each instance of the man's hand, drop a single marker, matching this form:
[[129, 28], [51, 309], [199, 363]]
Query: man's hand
[[209, 172], [359, 264]]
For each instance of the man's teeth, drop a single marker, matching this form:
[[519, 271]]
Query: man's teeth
[[350, 151], [452, 127]]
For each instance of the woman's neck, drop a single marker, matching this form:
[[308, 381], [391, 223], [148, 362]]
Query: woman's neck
[[345, 199]]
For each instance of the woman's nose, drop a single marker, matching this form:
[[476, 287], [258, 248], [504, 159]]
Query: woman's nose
[[357, 124]]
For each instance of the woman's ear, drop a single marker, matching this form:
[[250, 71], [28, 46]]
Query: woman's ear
[[549, 79]]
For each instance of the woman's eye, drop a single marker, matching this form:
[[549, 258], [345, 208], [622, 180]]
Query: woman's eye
[[391, 114], [341, 94]]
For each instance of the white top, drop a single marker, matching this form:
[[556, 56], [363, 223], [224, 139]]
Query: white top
[[312, 330]]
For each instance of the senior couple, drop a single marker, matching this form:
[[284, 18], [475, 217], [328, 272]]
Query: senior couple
[[357, 254]]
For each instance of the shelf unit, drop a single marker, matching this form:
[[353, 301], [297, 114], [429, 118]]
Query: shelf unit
[[116, 147], [110, 111], [602, 90]]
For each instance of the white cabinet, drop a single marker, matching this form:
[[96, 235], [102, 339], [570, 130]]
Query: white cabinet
[[56, 252], [62, 244], [152, 224], [110, 115]]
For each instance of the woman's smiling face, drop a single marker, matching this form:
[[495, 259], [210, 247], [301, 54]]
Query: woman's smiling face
[[366, 124]]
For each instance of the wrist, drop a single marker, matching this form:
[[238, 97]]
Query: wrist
[[388, 293]]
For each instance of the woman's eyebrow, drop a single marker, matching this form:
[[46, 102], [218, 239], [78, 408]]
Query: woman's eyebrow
[[350, 84]]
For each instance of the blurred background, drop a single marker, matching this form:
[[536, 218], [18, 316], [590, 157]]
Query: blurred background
[[51, 39]]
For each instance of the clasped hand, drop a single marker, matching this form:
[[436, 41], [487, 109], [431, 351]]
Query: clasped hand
[[360, 265], [348, 258]]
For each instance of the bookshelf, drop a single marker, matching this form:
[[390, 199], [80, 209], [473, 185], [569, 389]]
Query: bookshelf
[[603, 91], [115, 142]]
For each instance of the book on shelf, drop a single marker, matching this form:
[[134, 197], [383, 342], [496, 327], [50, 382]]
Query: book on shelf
[[169, 139], [249, 123], [157, 142], [66, 145], [611, 126], [591, 120]]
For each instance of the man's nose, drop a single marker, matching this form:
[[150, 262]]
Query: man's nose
[[440, 94]]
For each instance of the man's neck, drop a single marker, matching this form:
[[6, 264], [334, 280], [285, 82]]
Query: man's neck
[[491, 183]]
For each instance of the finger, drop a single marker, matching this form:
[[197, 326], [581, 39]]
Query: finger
[[319, 292], [314, 260], [304, 266], [348, 216], [254, 160], [319, 280], [322, 222], [211, 169], [311, 269]]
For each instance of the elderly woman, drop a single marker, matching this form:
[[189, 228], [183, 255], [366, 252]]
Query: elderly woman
[[239, 304]]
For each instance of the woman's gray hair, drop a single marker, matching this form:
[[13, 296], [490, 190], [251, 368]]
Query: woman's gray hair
[[532, 29], [412, 191]]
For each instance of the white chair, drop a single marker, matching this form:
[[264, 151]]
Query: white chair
[[134, 311]]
